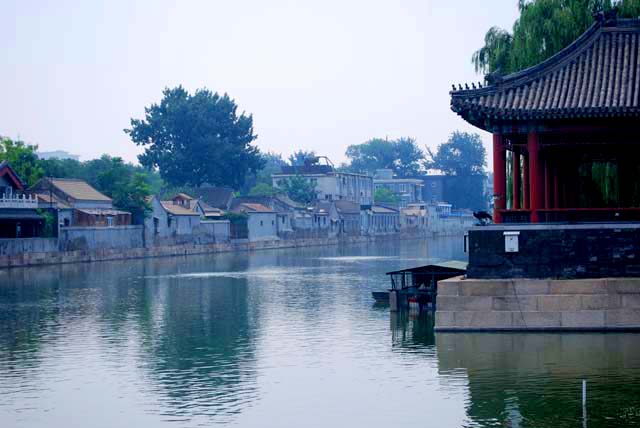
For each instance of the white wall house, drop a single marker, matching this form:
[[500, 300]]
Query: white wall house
[[331, 185]]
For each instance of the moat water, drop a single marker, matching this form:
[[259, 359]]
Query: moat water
[[284, 338]]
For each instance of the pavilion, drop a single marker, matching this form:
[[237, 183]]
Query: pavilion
[[566, 132]]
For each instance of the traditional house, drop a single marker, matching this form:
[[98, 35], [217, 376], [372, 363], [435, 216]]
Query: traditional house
[[171, 217], [18, 215], [214, 197], [325, 218], [261, 220], [384, 220], [90, 207], [349, 217]]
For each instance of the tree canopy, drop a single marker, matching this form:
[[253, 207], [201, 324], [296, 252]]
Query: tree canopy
[[543, 28], [197, 139], [462, 154], [403, 156], [298, 157], [23, 159], [384, 195], [299, 189], [463, 158]]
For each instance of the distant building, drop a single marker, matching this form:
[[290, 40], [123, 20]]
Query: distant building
[[57, 154], [409, 190], [330, 184], [414, 218], [261, 222], [79, 203], [349, 217], [380, 220], [434, 187], [214, 197]]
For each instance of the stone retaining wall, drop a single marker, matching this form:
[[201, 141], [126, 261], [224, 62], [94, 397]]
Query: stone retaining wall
[[61, 257], [522, 304], [562, 251]]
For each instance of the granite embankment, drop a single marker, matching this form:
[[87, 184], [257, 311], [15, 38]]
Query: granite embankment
[[41, 252]]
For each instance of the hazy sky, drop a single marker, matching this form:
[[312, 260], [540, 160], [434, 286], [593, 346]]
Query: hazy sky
[[315, 75]]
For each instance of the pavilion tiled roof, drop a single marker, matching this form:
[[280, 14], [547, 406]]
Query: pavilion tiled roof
[[598, 75]]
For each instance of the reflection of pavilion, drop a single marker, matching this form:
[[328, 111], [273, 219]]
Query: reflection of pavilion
[[535, 379]]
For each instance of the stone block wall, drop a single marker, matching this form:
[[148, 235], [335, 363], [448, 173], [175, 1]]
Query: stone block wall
[[525, 304], [100, 238], [556, 251]]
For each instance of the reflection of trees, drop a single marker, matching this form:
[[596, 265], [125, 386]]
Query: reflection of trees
[[28, 313], [534, 380], [197, 341], [412, 332], [193, 337]]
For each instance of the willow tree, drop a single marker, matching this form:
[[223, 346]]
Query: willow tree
[[543, 28]]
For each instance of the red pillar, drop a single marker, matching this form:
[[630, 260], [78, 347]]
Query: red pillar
[[515, 204], [525, 182], [535, 189], [499, 178]]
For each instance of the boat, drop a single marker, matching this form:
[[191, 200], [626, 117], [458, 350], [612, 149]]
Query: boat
[[380, 296]]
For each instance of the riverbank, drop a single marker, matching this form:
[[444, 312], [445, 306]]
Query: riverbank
[[83, 256]]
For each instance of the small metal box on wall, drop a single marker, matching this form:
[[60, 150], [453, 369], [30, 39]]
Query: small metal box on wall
[[511, 244]]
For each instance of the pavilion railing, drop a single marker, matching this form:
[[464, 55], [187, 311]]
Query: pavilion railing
[[573, 215]]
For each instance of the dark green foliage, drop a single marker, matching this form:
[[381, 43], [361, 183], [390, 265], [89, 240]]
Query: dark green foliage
[[272, 164], [197, 139], [263, 189], [403, 156], [462, 154], [22, 158], [299, 189], [384, 195], [543, 28], [463, 157], [50, 223], [298, 157]]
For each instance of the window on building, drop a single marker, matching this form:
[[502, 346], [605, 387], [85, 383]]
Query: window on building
[[110, 221], [324, 220], [261, 223], [169, 221], [273, 223]]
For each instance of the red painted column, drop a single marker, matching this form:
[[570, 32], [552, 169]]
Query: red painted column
[[515, 203], [499, 177], [535, 196], [525, 182]]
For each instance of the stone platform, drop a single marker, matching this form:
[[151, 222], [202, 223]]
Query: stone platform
[[532, 305]]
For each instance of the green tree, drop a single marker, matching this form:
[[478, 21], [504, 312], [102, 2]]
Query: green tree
[[197, 139], [133, 196], [462, 154], [403, 156], [462, 157], [543, 28], [272, 164], [263, 189], [384, 195], [298, 157], [299, 189], [22, 158]]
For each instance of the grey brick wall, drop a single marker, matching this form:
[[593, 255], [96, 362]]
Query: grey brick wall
[[556, 251]]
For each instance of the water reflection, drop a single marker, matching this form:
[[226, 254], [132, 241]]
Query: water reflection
[[534, 380]]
